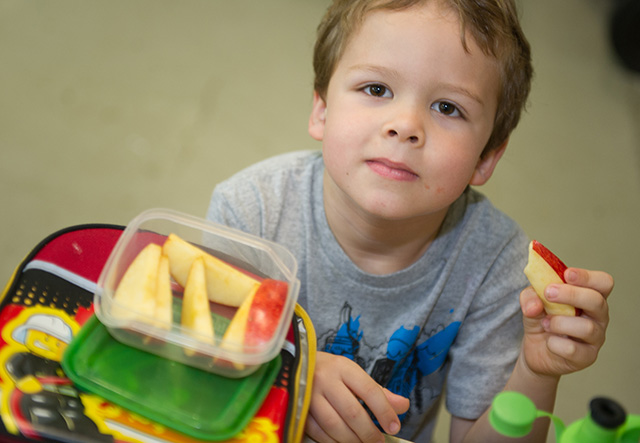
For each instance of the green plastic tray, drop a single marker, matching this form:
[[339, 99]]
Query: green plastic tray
[[189, 400]]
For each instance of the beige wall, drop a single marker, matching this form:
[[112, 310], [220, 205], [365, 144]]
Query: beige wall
[[109, 108]]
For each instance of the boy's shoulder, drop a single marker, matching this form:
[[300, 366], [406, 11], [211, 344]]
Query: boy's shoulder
[[254, 199], [274, 179], [484, 225]]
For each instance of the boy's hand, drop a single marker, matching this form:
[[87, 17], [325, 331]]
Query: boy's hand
[[336, 413], [558, 345]]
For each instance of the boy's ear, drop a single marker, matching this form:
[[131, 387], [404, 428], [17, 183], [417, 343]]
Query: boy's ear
[[317, 117], [486, 165]]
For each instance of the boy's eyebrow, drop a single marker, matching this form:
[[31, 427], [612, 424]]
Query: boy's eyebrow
[[461, 90], [394, 73], [375, 69]]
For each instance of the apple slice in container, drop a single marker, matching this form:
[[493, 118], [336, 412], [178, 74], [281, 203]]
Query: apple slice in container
[[544, 268], [135, 296], [256, 320], [163, 313], [265, 312], [196, 315], [225, 284]]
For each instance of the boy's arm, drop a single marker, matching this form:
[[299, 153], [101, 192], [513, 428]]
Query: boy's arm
[[552, 346], [540, 389]]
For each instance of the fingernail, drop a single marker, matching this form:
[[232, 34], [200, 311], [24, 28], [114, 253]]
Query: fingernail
[[546, 323], [571, 275], [394, 427], [551, 293]]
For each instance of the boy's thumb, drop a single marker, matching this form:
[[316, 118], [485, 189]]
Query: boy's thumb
[[531, 304]]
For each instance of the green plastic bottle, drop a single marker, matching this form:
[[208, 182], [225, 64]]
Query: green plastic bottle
[[512, 414]]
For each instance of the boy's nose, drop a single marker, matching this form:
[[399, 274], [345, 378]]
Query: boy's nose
[[407, 126]]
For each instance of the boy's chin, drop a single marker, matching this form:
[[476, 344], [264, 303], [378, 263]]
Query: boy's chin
[[393, 208]]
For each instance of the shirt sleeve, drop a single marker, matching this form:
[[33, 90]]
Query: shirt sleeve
[[227, 208], [239, 202], [258, 198]]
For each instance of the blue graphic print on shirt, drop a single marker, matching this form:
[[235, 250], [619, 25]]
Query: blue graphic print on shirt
[[407, 359]]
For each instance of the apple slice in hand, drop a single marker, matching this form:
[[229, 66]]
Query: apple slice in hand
[[135, 295], [225, 284], [545, 268], [196, 315], [257, 319]]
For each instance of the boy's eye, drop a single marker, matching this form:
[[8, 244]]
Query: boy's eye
[[446, 108], [377, 90]]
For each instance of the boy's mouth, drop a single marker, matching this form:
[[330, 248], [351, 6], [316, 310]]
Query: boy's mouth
[[392, 170]]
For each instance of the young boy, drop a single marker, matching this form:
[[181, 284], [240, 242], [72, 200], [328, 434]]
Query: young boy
[[409, 275]]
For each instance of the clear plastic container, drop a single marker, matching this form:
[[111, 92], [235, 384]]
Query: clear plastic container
[[260, 258]]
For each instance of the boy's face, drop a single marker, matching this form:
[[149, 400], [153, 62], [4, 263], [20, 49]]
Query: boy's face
[[407, 114]]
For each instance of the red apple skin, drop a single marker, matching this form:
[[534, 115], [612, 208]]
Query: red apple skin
[[555, 263], [550, 258], [266, 310]]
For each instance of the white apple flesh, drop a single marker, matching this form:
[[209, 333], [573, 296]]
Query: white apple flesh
[[135, 296], [163, 313], [225, 284], [196, 315]]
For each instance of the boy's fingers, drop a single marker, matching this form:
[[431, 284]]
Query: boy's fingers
[[333, 426], [399, 403], [376, 400], [374, 396], [581, 328], [530, 303], [342, 394], [592, 302], [578, 355], [356, 418], [313, 430], [597, 280], [335, 405]]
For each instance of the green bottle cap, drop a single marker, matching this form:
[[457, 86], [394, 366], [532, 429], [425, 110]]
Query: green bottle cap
[[512, 414]]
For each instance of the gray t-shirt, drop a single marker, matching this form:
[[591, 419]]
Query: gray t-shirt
[[453, 315]]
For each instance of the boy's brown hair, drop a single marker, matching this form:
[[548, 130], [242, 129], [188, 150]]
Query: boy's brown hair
[[493, 25]]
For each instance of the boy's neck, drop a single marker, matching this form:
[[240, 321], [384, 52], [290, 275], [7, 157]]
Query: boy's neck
[[379, 246]]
